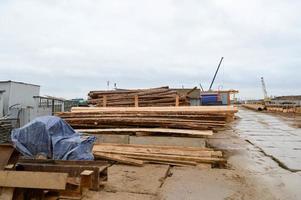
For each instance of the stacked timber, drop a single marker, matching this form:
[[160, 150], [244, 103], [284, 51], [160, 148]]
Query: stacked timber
[[281, 108], [257, 107], [284, 108], [172, 155], [162, 96], [183, 117]]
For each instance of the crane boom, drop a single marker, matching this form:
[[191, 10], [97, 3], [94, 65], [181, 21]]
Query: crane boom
[[220, 62], [265, 93]]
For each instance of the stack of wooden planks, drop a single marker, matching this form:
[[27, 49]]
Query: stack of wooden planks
[[172, 155], [183, 117], [257, 107], [162, 96], [284, 108]]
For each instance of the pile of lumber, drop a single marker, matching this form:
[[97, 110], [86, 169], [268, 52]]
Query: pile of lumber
[[284, 108], [183, 117], [257, 107], [162, 96], [172, 155]]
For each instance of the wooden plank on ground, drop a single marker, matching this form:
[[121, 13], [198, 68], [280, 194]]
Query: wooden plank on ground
[[37, 180], [104, 148], [120, 159]]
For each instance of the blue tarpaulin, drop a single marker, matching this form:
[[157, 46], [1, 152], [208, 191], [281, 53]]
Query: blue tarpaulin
[[53, 137]]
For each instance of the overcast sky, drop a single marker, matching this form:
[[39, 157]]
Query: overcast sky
[[71, 47]]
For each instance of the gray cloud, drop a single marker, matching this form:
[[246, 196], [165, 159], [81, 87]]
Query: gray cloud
[[71, 47]]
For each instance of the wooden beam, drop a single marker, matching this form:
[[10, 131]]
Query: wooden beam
[[149, 130], [86, 179], [200, 109], [72, 168], [36, 180], [136, 101], [104, 101], [5, 153], [177, 100]]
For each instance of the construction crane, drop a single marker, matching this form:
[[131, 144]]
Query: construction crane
[[211, 97], [264, 89], [220, 62]]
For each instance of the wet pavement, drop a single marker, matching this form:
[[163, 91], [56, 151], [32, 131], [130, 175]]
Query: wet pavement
[[255, 146], [274, 135]]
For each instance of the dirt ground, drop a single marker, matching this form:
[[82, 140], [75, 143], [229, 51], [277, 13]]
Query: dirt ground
[[251, 173]]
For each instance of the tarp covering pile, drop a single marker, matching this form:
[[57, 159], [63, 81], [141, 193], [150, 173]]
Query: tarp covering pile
[[52, 137]]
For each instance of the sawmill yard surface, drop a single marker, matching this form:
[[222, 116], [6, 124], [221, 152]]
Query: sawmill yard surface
[[264, 162]]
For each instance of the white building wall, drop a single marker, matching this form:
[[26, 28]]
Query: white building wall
[[1, 104], [21, 95], [6, 87]]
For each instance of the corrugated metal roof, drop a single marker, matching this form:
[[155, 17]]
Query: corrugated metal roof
[[10, 81]]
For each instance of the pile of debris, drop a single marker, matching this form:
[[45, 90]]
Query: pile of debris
[[162, 96], [184, 117], [171, 155]]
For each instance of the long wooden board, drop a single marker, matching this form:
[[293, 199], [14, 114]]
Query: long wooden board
[[149, 130], [204, 109], [37, 180]]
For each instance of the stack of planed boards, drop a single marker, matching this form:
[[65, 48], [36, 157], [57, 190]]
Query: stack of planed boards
[[182, 117], [162, 96], [171, 155]]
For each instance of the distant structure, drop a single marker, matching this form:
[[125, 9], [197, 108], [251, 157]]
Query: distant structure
[[22, 102], [198, 97]]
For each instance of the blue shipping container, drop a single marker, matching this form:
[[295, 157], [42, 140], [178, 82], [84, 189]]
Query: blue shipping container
[[209, 99]]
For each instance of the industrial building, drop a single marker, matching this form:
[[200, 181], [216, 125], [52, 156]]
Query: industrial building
[[21, 102]]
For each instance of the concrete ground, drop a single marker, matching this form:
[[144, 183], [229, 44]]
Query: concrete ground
[[263, 152]]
